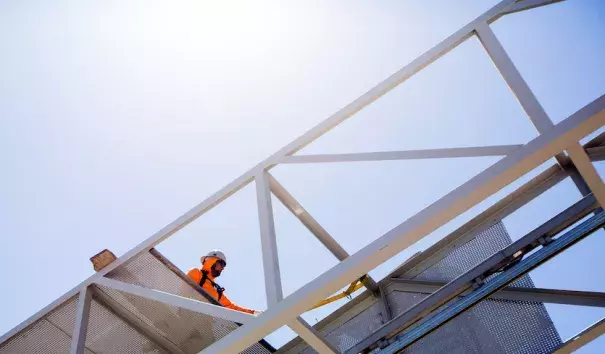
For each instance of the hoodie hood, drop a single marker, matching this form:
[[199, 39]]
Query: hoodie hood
[[207, 266]]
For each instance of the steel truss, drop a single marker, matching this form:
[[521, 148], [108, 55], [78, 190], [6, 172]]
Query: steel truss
[[552, 141]]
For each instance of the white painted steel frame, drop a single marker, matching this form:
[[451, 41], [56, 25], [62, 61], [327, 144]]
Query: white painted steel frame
[[313, 226], [268, 240], [588, 172], [177, 301], [486, 183], [372, 95], [78, 339], [552, 141]]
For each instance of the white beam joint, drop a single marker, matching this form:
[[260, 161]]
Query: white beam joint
[[311, 336], [313, 226], [177, 301], [587, 170], [273, 285], [78, 339], [513, 78]]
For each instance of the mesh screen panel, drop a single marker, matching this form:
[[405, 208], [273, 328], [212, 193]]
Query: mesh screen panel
[[464, 257], [492, 326]]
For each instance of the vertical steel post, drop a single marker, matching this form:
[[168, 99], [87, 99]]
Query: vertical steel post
[[268, 239], [78, 339]]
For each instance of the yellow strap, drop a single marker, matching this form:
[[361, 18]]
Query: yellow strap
[[356, 285]]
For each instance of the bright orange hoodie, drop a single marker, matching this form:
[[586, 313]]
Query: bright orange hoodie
[[196, 275]]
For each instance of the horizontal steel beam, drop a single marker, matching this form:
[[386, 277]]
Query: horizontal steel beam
[[501, 150], [464, 282], [451, 311], [177, 301], [135, 322], [469, 194], [598, 140], [314, 227], [581, 339], [551, 296]]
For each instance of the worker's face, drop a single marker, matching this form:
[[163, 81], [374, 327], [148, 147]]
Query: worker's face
[[217, 268]]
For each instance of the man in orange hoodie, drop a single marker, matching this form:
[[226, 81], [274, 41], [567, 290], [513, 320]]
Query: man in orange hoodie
[[212, 266]]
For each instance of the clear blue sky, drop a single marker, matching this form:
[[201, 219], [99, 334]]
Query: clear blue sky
[[118, 116]]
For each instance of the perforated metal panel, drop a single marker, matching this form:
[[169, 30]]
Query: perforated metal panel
[[493, 326], [464, 257]]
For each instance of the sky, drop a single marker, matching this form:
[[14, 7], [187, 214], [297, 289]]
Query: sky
[[118, 116]]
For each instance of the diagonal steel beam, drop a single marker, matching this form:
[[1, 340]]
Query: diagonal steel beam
[[311, 336], [524, 5], [521, 90], [552, 296], [478, 151], [314, 227], [483, 185], [581, 339], [177, 301], [587, 171]]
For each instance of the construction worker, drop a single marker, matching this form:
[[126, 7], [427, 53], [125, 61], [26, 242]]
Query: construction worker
[[212, 266]]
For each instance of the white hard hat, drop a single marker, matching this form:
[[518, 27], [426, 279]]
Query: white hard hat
[[216, 254]]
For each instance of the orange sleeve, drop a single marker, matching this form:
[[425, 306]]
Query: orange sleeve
[[195, 275], [228, 304]]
